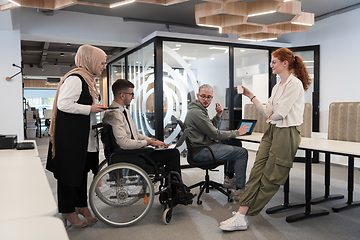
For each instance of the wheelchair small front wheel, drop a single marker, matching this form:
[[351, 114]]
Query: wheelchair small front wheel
[[167, 215], [121, 194]]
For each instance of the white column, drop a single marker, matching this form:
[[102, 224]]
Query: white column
[[11, 110]]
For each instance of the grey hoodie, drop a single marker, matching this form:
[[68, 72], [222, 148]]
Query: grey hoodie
[[205, 130]]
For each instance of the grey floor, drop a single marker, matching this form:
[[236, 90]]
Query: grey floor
[[202, 221]]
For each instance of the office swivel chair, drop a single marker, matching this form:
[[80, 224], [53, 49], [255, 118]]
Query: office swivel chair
[[207, 166]]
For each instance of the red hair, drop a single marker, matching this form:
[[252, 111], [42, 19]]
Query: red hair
[[296, 65]]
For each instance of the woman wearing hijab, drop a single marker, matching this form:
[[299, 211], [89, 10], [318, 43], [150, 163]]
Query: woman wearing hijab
[[73, 148]]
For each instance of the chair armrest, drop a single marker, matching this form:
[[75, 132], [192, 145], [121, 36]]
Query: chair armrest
[[99, 125]]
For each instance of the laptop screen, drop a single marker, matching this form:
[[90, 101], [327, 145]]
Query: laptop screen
[[250, 123]]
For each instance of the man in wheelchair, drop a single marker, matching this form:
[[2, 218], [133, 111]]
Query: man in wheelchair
[[131, 142]]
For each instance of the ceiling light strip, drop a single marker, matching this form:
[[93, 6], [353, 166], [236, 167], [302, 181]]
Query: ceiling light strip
[[18, 4], [220, 48], [266, 39], [249, 40], [213, 26], [304, 24], [263, 13], [121, 3]]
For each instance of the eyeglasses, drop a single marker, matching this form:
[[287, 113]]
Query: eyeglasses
[[272, 63], [209, 97], [132, 94]]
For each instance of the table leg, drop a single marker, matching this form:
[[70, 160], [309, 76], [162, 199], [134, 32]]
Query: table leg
[[286, 205], [308, 213], [327, 195], [39, 120], [349, 202]]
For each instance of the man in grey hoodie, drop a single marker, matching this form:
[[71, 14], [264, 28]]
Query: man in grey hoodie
[[205, 132]]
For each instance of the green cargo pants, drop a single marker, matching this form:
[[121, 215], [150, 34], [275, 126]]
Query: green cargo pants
[[272, 165]]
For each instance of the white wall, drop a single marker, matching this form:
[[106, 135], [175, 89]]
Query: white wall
[[11, 121], [339, 40]]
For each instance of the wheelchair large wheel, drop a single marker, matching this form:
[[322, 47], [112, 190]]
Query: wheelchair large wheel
[[121, 194]]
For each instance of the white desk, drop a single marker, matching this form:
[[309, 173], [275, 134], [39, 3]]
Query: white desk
[[316, 144], [38, 228], [11, 153], [25, 189], [350, 149]]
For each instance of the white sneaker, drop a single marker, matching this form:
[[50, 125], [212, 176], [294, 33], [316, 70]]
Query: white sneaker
[[238, 193], [230, 219], [238, 222], [226, 221], [229, 183]]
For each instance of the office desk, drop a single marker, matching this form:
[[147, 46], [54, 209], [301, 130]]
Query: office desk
[[37, 228], [25, 189], [350, 149], [14, 153]]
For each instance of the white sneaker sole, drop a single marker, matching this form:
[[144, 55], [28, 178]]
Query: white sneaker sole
[[233, 228]]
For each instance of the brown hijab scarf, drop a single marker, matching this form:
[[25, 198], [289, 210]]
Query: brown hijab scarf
[[87, 60]]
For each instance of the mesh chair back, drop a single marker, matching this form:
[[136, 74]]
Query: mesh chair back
[[183, 127]]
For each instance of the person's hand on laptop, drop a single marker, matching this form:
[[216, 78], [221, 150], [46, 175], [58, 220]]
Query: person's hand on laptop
[[157, 143], [243, 130]]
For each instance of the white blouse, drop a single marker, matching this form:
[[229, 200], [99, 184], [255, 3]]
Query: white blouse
[[286, 100], [69, 94]]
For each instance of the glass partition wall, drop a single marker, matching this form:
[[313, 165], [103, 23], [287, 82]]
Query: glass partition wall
[[186, 66], [251, 71], [167, 73]]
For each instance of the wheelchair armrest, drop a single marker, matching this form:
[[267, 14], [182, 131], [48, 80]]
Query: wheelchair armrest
[[204, 146], [99, 125]]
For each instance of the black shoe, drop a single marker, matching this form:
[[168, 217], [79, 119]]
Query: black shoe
[[185, 198]]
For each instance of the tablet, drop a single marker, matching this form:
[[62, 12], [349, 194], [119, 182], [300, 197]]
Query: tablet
[[251, 124]]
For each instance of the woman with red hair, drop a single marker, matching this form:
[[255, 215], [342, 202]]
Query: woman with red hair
[[278, 146]]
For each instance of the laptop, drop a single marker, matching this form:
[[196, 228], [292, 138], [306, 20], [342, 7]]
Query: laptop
[[180, 141], [251, 124]]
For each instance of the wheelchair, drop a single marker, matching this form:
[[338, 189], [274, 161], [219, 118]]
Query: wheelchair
[[123, 191]]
